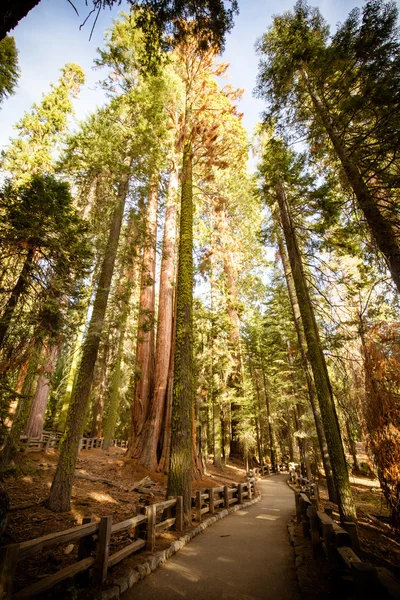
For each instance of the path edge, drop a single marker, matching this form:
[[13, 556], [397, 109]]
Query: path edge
[[136, 574]]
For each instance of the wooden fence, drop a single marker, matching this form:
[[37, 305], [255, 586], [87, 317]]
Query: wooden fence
[[94, 539], [339, 543], [51, 439]]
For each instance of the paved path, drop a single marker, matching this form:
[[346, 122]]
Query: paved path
[[246, 556]]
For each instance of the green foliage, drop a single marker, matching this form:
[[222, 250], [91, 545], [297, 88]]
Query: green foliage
[[9, 71], [40, 216], [40, 130], [40, 224]]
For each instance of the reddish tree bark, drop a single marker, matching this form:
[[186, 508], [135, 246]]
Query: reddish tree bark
[[147, 444], [34, 425], [145, 340]]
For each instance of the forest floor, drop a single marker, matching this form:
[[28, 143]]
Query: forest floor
[[28, 483]]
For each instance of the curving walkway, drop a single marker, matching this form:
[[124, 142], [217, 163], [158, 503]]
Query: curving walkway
[[246, 556]]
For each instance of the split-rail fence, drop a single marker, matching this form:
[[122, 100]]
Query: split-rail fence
[[94, 537]]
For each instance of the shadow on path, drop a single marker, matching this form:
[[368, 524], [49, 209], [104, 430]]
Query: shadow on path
[[246, 556]]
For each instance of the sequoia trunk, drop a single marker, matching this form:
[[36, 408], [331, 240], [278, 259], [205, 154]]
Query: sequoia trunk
[[148, 443], [181, 457]]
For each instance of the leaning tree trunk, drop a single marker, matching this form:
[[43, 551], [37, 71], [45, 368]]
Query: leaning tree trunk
[[145, 337], [76, 352], [383, 230], [163, 464], [235, 381], [306, 368], [99, 388], [148, 443], [271, 432], [60, 493], [181, 457], [129, 275], [111, 412], [34, 425], [318, 364], [215, 404], [18, 289], [10, 449]]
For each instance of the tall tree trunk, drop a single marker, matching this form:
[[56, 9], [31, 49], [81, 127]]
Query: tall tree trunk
[[74, 361], [129, 275], [235, 380], [306, 368], [271, 433], [34, 426], [99, 388], [144, 383], [383, 230], [148, 443], [181, 457], [18, 289], [216, 408], [352, 445], [163, 464], [60, 493], [318, 364]]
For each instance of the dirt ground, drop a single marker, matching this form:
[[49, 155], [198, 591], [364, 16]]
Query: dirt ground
[[29, 483]]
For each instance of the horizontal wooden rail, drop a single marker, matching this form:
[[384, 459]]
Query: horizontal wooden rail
[[166, 504], [49, 582], [167, 524], [115, 558], [51, 540], [129, 523]]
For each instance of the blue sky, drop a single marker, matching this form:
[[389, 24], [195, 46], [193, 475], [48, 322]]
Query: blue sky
[[49, 37]]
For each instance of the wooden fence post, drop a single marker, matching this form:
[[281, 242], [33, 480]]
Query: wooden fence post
[[102, 551], [179, 514], [352, 530], [85, 543], [141, 529], [8, 565], [365, 579], [226, 497], [315, 539], [240, 493], [198, 506], [297, 503], [211, 499], [151, 512], [328, 535], [85, 547], [249, 489], [303, 517]]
